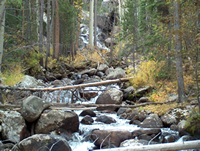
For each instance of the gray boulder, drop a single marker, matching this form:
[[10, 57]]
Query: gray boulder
[[112, 96], [152, 121], [105, 119], [32, 107], [55, 119], [42, 142], [27, 82], [102, 67], [90, 72], [13, 126], [116, 74]]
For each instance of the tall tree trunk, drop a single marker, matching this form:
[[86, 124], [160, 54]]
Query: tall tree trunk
[[56, 32], [178, 47], [48, 32], [41, 31], [2, 25], [91, 44], [95, 23], [27, 14]]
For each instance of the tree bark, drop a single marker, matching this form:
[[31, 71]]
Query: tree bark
[[56, 32], [164, 147], [71, 86], [91, 44], [178, 47], [2, 25], [95, 23], [41, 31], [48, 32]]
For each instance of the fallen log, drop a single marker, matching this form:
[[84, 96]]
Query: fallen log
[[69, 86], [164, 147]]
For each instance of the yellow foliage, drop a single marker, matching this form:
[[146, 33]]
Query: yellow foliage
[[12, 76], [159, 109], [146, 73], [92, 56]]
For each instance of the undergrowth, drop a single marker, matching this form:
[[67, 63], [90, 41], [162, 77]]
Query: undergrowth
[[146, 74], [13, 76]]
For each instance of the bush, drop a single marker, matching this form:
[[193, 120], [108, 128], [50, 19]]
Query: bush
[[146, 74], [12, 76], [193, 124]]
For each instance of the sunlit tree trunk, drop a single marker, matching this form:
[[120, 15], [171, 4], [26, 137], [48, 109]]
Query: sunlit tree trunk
[[48, 32], [95, 23], [178, 47], [91, 44], [2, 24], [56, 32], [41, 31]]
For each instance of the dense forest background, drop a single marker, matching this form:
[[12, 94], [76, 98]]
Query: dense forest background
[[37, 35]]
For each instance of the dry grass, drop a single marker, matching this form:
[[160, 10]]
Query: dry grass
[[12, 76]]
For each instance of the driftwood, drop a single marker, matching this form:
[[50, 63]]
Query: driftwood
[[157, 147], [69, 87]]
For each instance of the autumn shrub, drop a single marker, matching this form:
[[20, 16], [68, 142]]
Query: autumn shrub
[[193, 124], [159, 109], [85, 55], [13, 76], [146, 73]]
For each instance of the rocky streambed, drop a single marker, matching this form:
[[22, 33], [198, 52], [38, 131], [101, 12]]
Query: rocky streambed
[[39, 125]]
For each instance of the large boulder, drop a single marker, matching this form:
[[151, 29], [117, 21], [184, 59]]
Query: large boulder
[[88, 112], [105, 119], [147, 134], [102, 67], [32, 107], [90, 72], [42, 142], [116, 74], [27, 82], [109, 137], [54, 119], [87, 120], [13, 126], [111, 96], [152, 121]]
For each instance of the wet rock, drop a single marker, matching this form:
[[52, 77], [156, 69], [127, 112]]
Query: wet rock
[[102, 67], [55, 119], [57, 83], [88, 112], [13, 126], [87, 120], [88, 95], [43, 142], [100, 74], [79, 81], [151, 131], [32, 107], [174, 127], [135, 122], [90, 72], [27, 82], [108, 137], [58, 76], [116, 74], [105, 119], [121, 110], [152, 121], [112, 96]]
